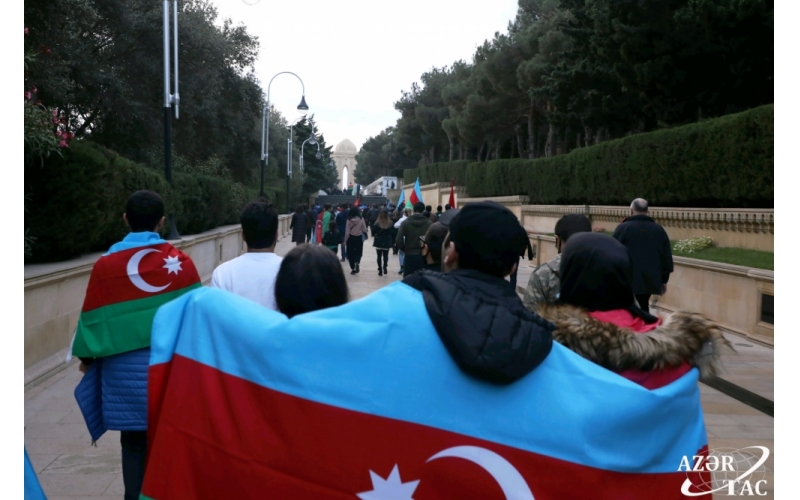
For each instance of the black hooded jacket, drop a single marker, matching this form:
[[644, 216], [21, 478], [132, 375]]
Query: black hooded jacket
[[483, 324]]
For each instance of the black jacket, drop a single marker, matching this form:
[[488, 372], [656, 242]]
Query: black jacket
[[649, 251], [382, 237], [483, 324]]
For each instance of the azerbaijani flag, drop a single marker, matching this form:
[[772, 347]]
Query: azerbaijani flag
[[402, 199], [125, 289], [348, 403], [452, 200], [416, 194]]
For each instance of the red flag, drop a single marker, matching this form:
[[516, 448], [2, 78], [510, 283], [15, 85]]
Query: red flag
[[452, 201]]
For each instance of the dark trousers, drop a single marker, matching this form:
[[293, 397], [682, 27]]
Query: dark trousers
[[385, 254], [644, 301], [413, 263], [134, 446], [355, 247]]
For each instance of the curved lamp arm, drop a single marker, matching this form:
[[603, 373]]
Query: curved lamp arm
[[265, 114]]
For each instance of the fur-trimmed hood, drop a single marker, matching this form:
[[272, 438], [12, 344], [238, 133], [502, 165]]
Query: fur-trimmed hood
[[681, 337]]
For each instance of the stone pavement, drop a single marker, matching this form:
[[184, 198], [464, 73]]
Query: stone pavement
[[70, 468]]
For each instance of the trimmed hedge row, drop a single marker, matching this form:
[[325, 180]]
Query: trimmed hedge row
[[77, 200], [724, 162]]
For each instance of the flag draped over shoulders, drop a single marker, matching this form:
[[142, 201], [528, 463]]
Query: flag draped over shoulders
[[126, 288], [349, 402]]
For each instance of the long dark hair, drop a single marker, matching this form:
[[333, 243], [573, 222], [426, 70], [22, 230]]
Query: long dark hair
[[310, 278]]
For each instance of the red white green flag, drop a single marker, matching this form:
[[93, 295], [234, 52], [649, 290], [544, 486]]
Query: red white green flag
[[125, 290]]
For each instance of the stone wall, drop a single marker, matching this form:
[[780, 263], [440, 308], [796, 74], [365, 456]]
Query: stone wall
[[743, 228], [54, 293], [728, 295]]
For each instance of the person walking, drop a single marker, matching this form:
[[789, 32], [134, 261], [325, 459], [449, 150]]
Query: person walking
[[332, 237], [112, 338], [400, 254], [382, 240], [252, 274], [649, 250], [341, 224], [372, 218], [354, 239], [312, 220], [543, 285], [408, 239], [432, 246], [298, 225]]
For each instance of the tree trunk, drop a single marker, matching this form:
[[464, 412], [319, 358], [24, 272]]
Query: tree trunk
[[520, 146], [587, 136], [550, 145], [480, 151], [497, 149], [450, 141], [532, 130]]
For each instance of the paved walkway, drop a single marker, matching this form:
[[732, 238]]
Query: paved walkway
[[70, 468]]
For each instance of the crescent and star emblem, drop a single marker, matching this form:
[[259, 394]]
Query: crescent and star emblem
[[508, 478], [172, 264]]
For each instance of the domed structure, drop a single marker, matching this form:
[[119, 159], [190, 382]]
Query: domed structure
[[344, 155], [346, 146]]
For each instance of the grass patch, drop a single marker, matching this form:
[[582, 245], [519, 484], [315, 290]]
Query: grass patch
[[738, 256]]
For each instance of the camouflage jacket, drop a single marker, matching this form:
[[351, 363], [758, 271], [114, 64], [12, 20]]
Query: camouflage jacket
[[543, 285]]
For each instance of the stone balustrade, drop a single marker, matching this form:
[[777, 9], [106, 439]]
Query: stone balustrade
[[729, 295], [54, 292], [743, 228]]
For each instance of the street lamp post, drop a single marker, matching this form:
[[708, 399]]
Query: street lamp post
[[169, 100], [302, 107], [289, 158], [313, 141]]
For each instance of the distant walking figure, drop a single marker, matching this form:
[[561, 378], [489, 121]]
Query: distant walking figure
[[649, 251]]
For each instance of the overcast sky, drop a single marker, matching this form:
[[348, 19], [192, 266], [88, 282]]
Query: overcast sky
[[355, 56]]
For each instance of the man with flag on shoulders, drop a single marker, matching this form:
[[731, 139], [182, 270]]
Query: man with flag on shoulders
[[440, 386], [127, 285]]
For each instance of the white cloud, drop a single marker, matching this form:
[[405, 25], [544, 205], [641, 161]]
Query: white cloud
[[356, 56]]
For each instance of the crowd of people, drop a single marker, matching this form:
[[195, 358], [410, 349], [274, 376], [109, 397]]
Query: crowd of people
[[590, 298]]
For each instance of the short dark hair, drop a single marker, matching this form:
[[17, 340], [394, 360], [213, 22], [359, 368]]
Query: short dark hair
[[438, 208], [447, 206], [434, 239], [144, 210], [488, 238], [571, 224], [259, 225], [419, 207], [310, 278], [428, 208], [354, 212], [327, 206]]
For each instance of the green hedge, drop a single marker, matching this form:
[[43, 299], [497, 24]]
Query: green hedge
[[76, 201], [724, 162]]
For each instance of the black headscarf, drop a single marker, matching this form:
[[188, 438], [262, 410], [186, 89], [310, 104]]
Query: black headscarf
[[595, 274]]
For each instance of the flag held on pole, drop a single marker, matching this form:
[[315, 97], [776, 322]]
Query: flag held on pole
[[452, 200], [416, 194]]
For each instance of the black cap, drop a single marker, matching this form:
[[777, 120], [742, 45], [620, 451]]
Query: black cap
[[488, 237], [446, 217]]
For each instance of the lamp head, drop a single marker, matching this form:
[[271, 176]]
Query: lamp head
[[319, 155], [312, 141], [302, 107]]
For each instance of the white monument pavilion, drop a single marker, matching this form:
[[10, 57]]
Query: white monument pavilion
[[344, 156]]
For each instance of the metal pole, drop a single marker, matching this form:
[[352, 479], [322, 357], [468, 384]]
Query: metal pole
[[173, 231], [264, 122]]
